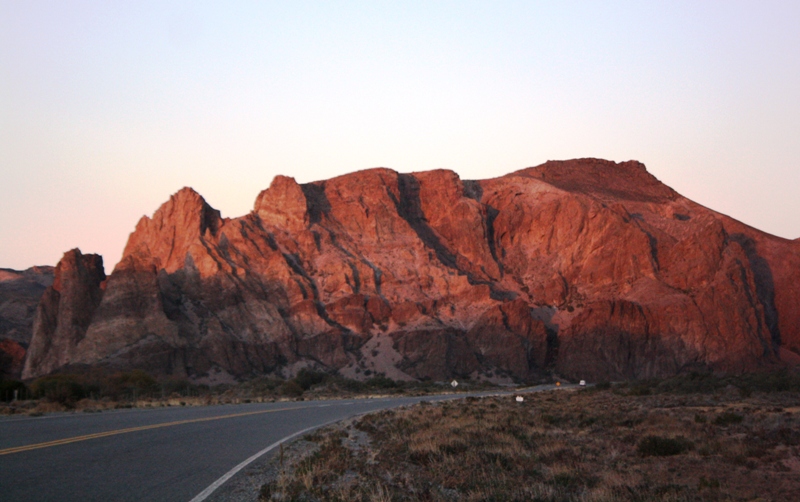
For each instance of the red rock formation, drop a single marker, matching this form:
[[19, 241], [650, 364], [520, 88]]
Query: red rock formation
[[587, 267], [65, 312], [12, 358], [20, 292]]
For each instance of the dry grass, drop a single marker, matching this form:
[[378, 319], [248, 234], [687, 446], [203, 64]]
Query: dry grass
[[561, 446], [94, 392], [38, 407]]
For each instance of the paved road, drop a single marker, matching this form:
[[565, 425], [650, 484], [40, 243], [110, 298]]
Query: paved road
[[172, 454]]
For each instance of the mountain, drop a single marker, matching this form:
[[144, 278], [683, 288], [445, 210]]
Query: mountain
[[589, 268], [20, 291]]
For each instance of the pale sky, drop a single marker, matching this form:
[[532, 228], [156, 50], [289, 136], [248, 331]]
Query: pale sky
[[107, 108]]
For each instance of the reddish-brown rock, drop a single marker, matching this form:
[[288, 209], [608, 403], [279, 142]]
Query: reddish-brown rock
[[589, 268], [12, 358], [65, 313], [20, 292]]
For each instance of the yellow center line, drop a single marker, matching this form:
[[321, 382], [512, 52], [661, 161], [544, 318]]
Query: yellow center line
[[75, 439]]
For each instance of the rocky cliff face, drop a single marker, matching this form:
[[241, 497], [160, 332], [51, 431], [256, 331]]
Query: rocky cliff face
[[590, 268], [64, 313], [20, 292]]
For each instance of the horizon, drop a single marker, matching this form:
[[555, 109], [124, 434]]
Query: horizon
[[108, 109]]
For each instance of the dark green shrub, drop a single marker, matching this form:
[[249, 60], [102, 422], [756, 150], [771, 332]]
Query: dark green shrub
[[550, 419], [7, 388], [179, 387], [307, 378], [777, 381], [134, 383], [347, 384], [728, 418], [381, 382], [291, 389], [64, 389], [712, 483], [641, 388], [263, 385], [658, 446]]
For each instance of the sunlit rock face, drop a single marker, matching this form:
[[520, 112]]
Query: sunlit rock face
[[587, 268]]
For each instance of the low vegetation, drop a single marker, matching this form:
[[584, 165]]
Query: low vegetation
[[97, 390], [724, 439]]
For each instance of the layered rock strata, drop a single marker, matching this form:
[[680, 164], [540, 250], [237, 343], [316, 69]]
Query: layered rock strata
[[589, 268]]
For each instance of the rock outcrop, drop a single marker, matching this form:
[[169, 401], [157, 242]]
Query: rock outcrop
[[20, 292], [589, 268], [64, 313]]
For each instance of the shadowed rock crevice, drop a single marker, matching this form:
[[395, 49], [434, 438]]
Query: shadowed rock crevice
[[410, 209], [356, 285], [765, 286], [316, 201], [294, 263], [473, 190], [376, 276], [491, 215]]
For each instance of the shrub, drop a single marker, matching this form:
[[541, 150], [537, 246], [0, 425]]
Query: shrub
[[658, 446], [347, 384], [777, 381], [132, 383], [64, 389], [381, 382], [291, 389], [7, 388], [263, 385], [712, 483], [177, 386], [308, 378], [642, 388], [728, 418]]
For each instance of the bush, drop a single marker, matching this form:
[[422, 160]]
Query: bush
[[132, 383], [7, 388], [706, 383], [778, 381], [381, 382], [728, 418], [658, 446], [263, 385], [291, 389], [640, 389], [178, 386], [308, 378], [64, 389], [347, 384]]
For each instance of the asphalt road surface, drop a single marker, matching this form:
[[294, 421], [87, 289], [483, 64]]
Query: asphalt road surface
[[169, 454]]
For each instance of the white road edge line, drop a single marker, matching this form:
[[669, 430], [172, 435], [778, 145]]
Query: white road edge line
[[200, 497], [228, 475]]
